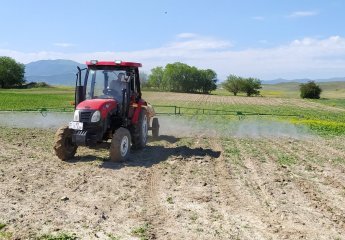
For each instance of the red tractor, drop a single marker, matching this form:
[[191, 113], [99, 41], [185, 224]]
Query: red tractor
[[108, 105]]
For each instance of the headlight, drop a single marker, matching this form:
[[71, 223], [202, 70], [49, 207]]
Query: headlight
[[96, 116], [76, 116]]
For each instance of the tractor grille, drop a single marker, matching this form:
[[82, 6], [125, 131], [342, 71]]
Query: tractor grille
[[85, 116]]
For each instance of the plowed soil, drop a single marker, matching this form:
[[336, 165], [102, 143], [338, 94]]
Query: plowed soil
[[197, 187], [201, 99]]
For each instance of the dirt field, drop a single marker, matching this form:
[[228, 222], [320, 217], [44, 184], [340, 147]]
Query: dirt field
[[201, 99], [177, 188]]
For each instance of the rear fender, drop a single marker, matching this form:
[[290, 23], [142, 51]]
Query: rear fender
[[137, 109]]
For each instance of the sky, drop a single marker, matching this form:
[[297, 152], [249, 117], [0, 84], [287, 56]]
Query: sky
[[266, 39]]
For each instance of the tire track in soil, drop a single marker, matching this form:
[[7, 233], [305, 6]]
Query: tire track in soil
[[327, 176], [41, 179], [329, 156], [19, 179], [192, 186], [301, 220], [159, 214], [330, 174], [216, 219], [229, 201], [154, 215], [175, 221], [337, 142], [313, 194], [233, 181], [277, 182], [163, 222], [203, 201], [320, 144], [251, 222], [257, 184], [7, 148]]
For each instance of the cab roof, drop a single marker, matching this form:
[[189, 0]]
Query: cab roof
[[112, 63]]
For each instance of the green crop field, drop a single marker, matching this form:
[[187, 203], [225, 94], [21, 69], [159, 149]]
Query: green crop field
[[330, 90], [58, 98], [326, 116]]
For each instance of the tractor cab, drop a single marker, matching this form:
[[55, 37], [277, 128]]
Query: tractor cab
[[109, 80], [106, 83]]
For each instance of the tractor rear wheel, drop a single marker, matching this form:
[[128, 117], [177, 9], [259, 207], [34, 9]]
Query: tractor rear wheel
[[64, 148], [140, 131], [155, 128], [120, 145]]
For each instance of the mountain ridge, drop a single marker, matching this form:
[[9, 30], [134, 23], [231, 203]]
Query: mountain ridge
[[53, 72], [303, 80], [62, 72]]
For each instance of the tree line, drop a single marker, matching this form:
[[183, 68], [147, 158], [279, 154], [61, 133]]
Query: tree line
[[250, 86], [180, 77], [176, 77]]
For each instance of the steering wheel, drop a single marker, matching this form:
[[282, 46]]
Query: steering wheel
[[112, 92]]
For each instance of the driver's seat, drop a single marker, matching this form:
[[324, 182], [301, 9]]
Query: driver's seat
[[116, 86]]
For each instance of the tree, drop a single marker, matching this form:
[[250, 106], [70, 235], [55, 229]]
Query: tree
[[251, 86], [180, 77], [155, 79], [11, 73], [233, 84], [310, 90], [172, 77], [208, 80]]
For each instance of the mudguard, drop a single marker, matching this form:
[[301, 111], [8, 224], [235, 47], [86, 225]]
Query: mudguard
[[142, 104]]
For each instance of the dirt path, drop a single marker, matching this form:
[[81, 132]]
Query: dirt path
[[177, 188]]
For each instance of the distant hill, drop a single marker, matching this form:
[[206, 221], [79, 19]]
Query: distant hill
[[303, 80], [53, 72], [62, 72]]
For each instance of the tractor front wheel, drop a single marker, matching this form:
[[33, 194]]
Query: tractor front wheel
[[120, 145], [64, 148]]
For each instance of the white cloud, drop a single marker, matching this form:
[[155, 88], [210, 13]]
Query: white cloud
[[301, 58], [187, 35], [298, 14], [64, 45], [199, 44], [192, 41]]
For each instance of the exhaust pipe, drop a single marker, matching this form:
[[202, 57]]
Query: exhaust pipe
[[79, 88]]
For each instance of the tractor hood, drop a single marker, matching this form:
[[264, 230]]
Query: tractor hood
[[103, 105]]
